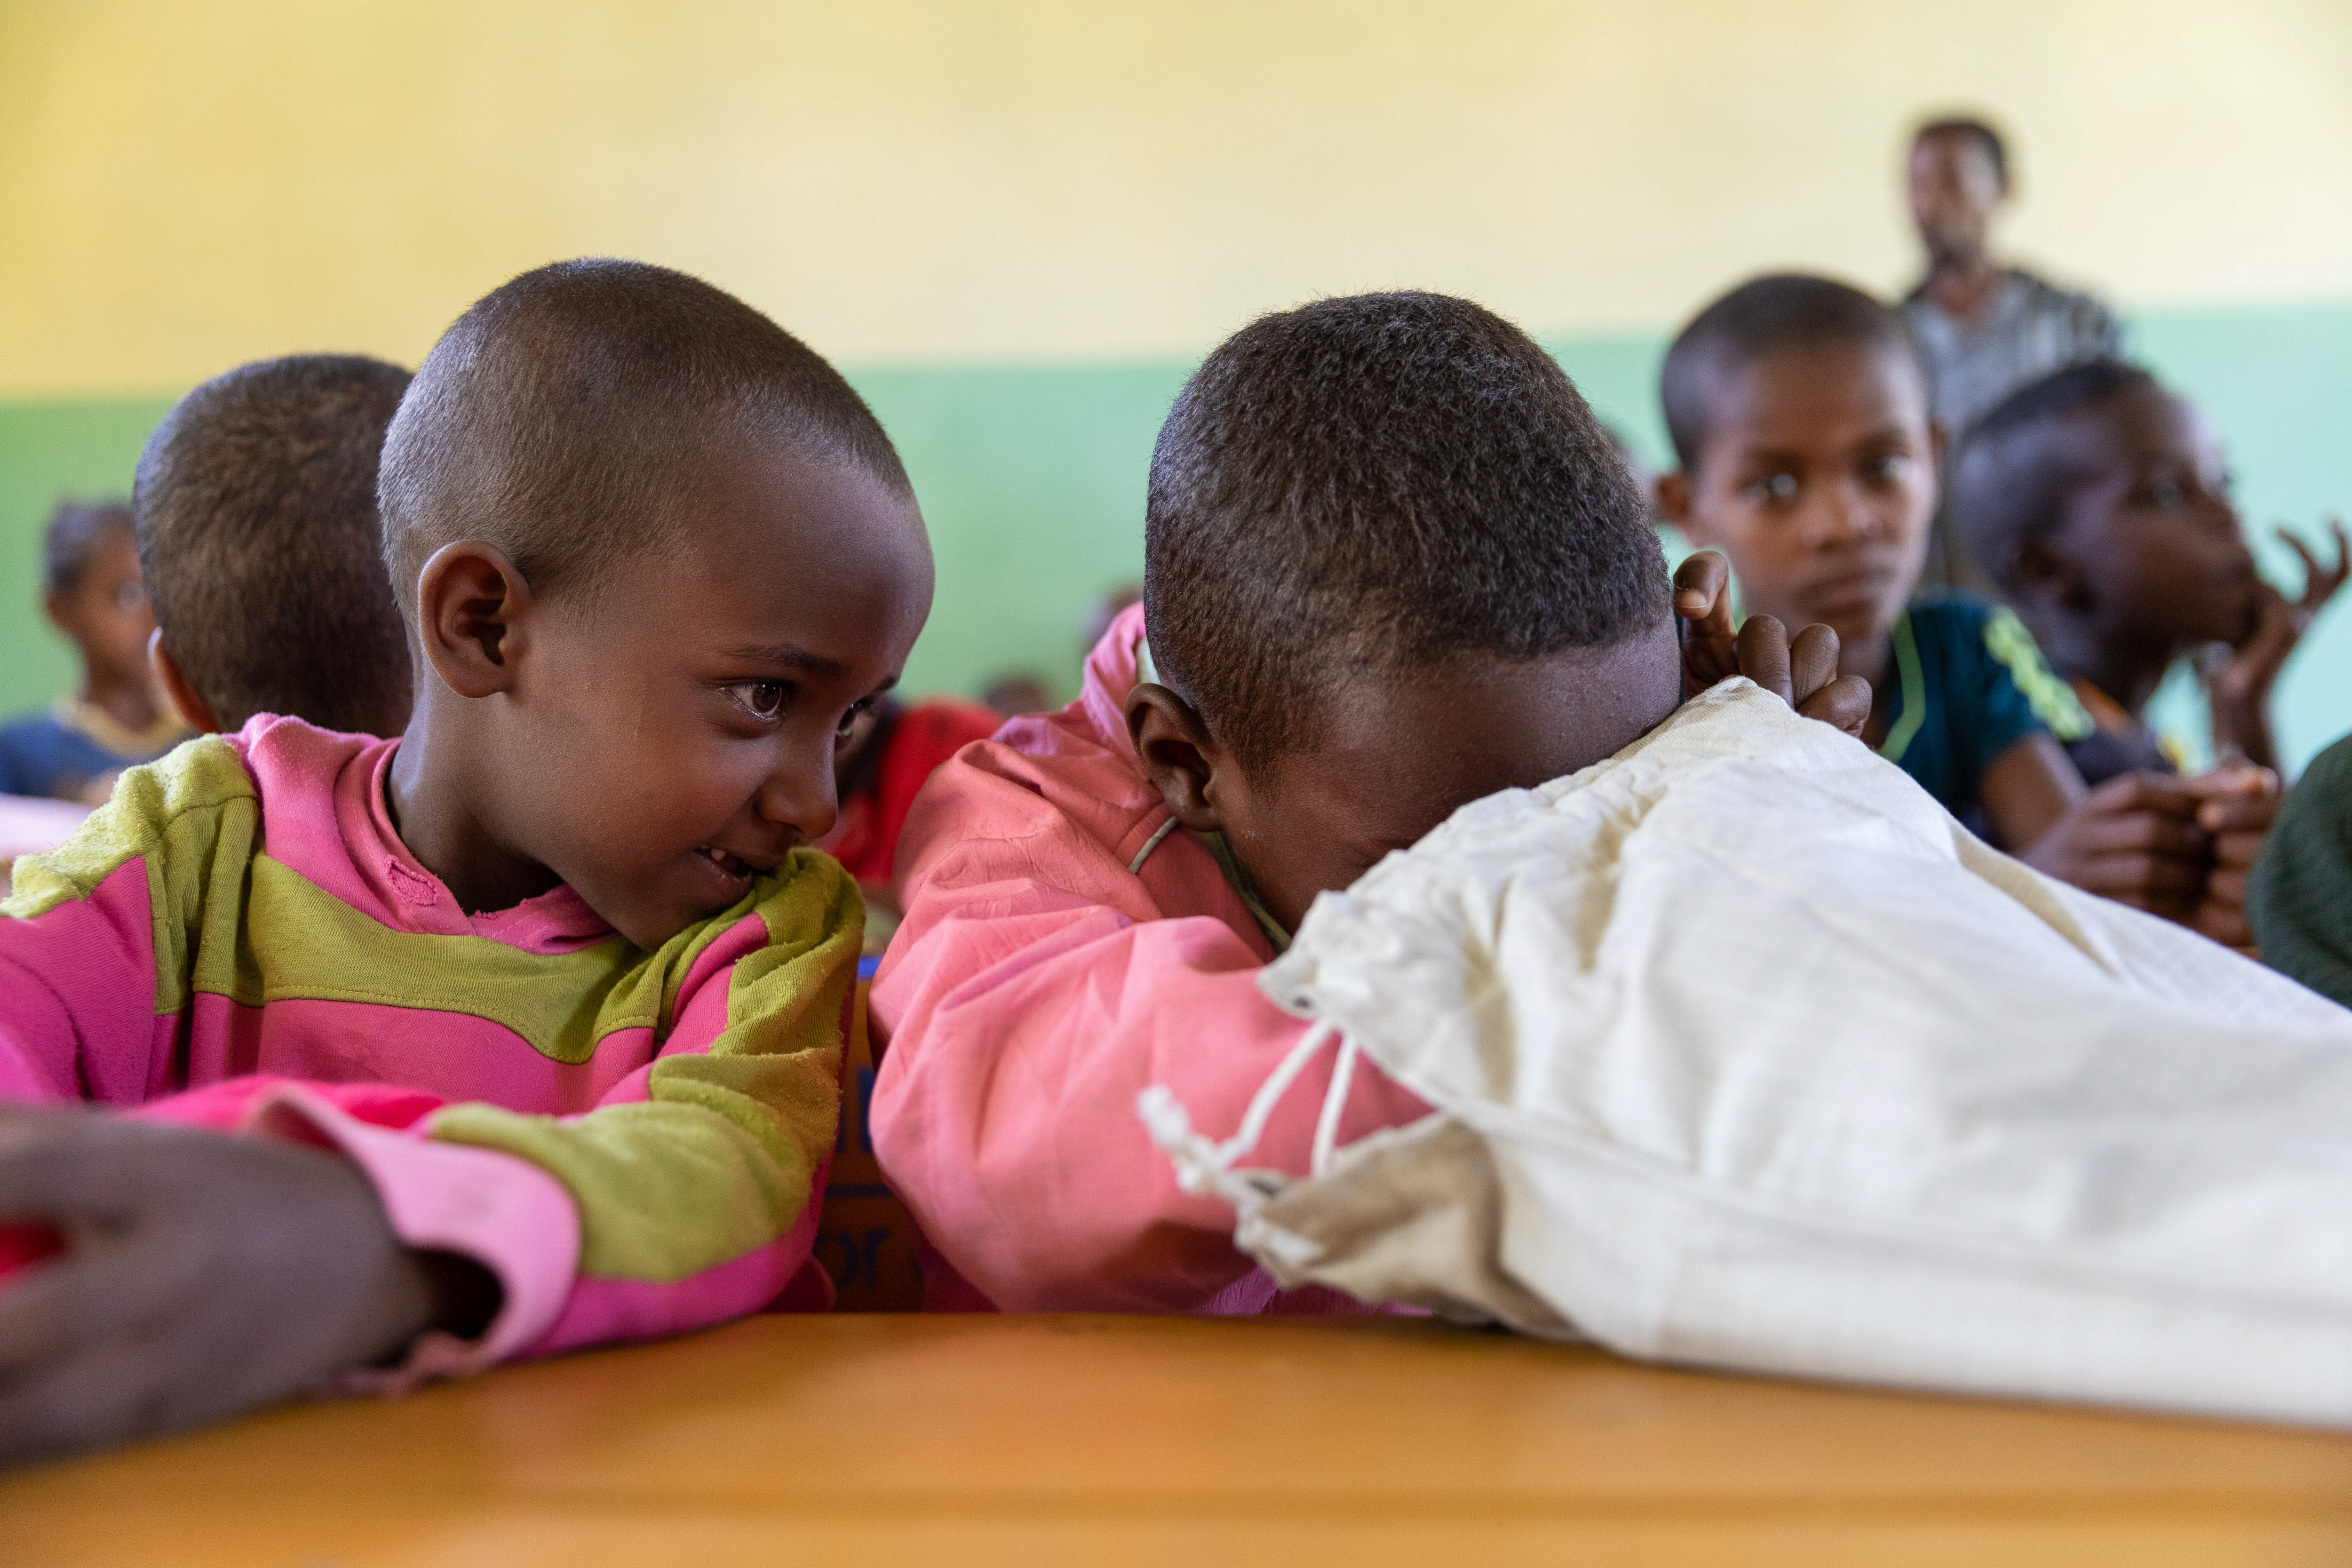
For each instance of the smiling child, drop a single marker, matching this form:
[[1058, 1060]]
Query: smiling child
[[656, 557]]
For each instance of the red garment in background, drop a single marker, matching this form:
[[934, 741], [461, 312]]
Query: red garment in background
[[915, 741]]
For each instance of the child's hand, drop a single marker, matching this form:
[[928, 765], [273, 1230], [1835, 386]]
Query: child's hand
[[203, 1273], [2135, 839], [1804, 674], [2239, 688], [2236, 808]]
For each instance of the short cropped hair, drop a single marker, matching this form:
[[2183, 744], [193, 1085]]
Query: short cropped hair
[[2010, 482], [76, 531], [1765, 315], [568, 414], [261, 548], [1391, 481], [1974, 130]]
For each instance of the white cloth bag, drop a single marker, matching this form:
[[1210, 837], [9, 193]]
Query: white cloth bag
[[1745, 1054]]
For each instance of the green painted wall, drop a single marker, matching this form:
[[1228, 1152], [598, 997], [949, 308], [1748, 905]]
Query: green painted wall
[[81, 451], [1032, 480]]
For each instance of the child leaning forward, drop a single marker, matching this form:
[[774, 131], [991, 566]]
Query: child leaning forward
[[1370, 599]]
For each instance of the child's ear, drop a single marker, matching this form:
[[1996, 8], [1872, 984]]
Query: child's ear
[[193, 711], [1177, 755], [472, 609], [1673, 497]]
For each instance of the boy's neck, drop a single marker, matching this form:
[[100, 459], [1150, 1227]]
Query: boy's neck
[[1873, 658], [129, 704], [1963, 285], [2127, 670], [433, 811]]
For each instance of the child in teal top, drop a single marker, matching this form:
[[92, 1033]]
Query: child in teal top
[[1799, 411]]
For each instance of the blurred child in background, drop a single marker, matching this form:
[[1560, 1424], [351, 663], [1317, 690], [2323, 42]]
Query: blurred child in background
[[1799, 412], [2099, 502], [263, 550], [92, 593]]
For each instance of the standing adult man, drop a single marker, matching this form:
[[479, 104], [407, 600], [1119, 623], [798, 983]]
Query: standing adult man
[[1986, 329]]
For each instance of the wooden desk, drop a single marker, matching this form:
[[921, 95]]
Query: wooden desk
[[1100, 1441]]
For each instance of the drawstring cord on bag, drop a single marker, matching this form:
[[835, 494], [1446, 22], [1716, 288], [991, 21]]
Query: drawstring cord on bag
[[1334, 1102], [1203, 1166]]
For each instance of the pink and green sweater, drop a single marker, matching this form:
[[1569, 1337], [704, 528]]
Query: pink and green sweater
[[634, 1142]]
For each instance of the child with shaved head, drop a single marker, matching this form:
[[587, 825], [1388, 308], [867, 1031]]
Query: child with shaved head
[[1799, 410], [1391, 565], [263, 552], [529, 1019]]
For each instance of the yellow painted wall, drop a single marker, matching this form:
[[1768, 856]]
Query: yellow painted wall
[[186, 185]]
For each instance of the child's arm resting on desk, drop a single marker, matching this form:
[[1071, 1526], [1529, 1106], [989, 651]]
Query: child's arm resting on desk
[[203, 1275], [687, 1197]]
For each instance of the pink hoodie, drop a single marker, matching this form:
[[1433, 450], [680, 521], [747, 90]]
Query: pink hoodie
[[1038, 985]]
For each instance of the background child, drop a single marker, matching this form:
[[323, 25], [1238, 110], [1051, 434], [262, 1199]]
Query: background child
[[1799, 414], [92, 593], [2099, 501], [263, 552], [656, 555], [1391, 565]]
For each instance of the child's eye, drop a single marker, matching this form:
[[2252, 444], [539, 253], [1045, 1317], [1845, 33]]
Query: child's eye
[[764, 699], [1888, 467], [1772, 490], [2167, 495], [857, 710]]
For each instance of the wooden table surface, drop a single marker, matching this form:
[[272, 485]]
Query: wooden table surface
[[1106, 1440]]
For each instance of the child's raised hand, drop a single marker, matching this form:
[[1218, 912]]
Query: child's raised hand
[[1804, 674], [2319, 583], [203, 1274], [2239, 688]]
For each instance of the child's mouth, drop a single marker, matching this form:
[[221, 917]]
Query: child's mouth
[[734, 867]]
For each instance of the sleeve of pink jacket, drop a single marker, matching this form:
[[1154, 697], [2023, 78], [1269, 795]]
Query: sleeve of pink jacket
[[1036, 987]]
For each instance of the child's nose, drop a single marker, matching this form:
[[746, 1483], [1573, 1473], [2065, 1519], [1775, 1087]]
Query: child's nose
[[1845, 514], [799, 793]]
